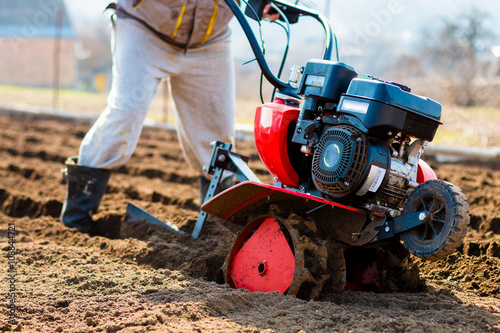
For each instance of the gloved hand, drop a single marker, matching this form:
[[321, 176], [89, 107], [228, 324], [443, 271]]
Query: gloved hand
[[269, 13], [259, 9]]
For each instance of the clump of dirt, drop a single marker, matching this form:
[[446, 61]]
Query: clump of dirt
[[136, 277]]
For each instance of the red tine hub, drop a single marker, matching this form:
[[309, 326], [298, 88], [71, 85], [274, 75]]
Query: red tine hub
[[266, 262]]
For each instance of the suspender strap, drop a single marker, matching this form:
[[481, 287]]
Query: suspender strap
[[211, 23], [179, 20]]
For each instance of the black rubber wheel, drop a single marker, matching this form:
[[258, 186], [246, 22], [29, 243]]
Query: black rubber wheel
[[447, 218]]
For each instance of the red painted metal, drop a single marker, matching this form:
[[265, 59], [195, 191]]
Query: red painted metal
[[272, 121], [265, 262], [424, 172], [252, 194]]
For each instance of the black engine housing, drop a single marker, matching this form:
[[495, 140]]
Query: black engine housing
[[385, 109], [348, 163]]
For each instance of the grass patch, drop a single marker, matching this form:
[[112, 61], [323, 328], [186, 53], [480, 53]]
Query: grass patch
[[67, 99], [469, 126]]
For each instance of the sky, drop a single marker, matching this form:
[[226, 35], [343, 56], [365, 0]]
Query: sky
[[355, 14], [356, 23]]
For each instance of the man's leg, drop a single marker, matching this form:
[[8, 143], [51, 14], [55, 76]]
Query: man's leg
[[112, 139], [204, 97], [114, 136]]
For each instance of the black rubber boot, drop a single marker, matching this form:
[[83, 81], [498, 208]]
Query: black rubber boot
[[85, 187], [204, 183]]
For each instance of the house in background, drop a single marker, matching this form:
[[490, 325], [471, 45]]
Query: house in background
[[37, 44]]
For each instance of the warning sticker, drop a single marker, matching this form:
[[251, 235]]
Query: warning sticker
[[373, 181]]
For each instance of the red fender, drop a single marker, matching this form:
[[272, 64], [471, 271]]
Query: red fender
[[424, 172], [272, 121], [251, 195]]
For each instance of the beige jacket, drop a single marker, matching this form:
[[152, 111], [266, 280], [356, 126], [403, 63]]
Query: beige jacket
[[183, 23]]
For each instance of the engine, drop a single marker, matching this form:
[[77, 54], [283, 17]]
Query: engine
[[349, 165], [347, 162], [364, 136]]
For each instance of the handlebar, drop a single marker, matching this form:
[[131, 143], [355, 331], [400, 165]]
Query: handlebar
[[282, 86], [318, 17]]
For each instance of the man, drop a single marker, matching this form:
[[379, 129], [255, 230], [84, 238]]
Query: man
[[185, 40]]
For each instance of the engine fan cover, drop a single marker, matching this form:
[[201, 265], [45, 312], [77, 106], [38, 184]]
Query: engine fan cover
[[346, 162]]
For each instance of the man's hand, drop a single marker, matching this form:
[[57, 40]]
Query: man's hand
[[272, 17]]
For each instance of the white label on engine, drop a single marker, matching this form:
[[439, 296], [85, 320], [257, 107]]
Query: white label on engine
[[354, 106], [373, 181], [315, 81]]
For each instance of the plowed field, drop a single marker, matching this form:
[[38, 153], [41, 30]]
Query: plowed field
[[141, 278]]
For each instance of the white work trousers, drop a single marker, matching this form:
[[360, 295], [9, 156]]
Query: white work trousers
[[202, 83]]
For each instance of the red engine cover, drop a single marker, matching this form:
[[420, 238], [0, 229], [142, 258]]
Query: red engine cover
[[271, 129]]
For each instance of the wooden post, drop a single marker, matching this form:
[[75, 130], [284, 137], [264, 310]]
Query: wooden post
[[57, 56], [166, 100]]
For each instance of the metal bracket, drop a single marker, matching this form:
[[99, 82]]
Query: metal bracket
[[223, 159], [210, 193], [399, 224], [235, 163]]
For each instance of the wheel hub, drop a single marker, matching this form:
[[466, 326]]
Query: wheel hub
[[424, 216]]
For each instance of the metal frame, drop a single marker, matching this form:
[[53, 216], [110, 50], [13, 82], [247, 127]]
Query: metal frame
[[223, 160]]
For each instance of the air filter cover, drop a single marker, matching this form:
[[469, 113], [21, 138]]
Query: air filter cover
[[345, 160]]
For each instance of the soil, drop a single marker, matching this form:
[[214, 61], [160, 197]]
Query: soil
[[137, 277]]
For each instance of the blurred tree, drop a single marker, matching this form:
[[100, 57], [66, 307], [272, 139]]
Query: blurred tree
[[454, 51]]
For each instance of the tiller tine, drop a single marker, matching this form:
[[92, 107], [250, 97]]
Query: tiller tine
[[136, 214]]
